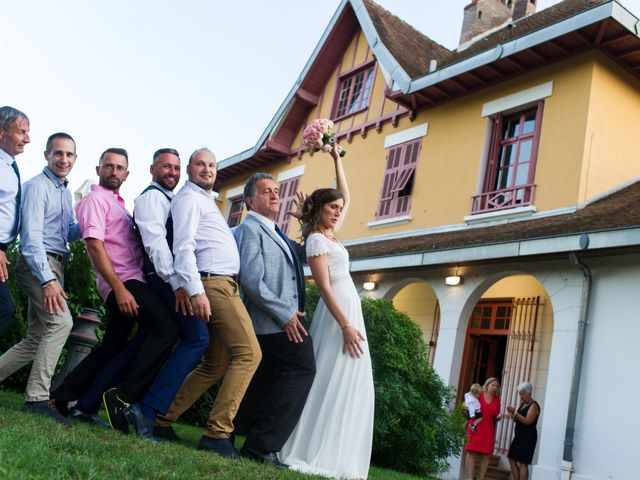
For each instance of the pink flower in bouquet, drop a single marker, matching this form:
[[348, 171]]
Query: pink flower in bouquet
[[318, 136]]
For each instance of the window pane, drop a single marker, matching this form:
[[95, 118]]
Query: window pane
[[523, 174], [344, 97], [367, 88], [354, 102], [525, 151], [529, 122], [507, 156], [510, 128]]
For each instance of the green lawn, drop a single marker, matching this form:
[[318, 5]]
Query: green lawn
[[34, 447]]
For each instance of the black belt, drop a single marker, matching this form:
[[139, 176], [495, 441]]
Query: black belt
[[57, 256], [210, 275]]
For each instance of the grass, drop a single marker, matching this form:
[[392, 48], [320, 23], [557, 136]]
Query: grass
[[34, 447]]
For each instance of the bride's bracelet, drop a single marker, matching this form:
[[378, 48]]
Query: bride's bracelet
[[347, 325]]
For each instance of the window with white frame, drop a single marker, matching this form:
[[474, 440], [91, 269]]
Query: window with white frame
[[398, 181], [287, 190]]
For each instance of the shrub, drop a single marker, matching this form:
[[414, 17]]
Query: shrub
[[414, 429]]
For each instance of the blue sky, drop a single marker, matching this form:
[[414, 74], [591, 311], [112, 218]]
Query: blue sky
[[145, 74]]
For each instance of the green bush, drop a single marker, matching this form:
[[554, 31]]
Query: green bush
[[414, 428]]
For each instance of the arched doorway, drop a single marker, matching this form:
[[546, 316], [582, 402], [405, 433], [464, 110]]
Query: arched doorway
[[508, 336], [418, 300]]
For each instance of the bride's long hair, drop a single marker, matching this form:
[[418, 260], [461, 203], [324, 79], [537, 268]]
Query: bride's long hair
[[312, 208]]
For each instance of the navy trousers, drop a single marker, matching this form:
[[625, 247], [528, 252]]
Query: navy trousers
[[6, 306], [194, 340]]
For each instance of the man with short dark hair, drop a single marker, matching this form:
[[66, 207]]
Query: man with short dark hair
[[116, 254], [14, 135], [47, 226], [154, 222]]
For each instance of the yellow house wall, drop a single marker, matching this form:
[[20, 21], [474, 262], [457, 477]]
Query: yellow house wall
[[586, 89], [418, 301], [451, 161], [611, 153]]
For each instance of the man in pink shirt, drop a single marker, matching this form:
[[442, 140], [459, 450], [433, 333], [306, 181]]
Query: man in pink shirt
[[116, 254]]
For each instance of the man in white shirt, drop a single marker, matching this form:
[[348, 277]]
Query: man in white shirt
[[14, 135], [207, 261], [153, 219]]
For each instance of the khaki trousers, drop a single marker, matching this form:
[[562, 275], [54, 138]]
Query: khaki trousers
[[46, 335], [233, 354]]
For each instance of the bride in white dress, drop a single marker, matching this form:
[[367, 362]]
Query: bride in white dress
[[334, 434]]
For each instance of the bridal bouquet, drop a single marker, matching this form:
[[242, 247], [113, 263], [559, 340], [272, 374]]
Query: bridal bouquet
[[318, 136]]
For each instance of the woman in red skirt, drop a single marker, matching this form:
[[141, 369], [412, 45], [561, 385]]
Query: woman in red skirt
[[482, 441]]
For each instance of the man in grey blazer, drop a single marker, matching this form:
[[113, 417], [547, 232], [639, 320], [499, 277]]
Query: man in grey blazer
[[273, 290]]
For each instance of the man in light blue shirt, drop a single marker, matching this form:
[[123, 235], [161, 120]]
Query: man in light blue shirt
[[47, 225], [14, 135]]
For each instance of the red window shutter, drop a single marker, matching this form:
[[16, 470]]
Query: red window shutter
[[399, 177], [287, 190]]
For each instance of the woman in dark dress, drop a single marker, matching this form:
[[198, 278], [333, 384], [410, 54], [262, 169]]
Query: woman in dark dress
[[526, 434]]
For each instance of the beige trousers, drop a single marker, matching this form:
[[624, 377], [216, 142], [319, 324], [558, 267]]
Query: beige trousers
[[46, 335], [233, 355]]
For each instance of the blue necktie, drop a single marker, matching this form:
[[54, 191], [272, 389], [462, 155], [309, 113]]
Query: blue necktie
[[299, 283], [16, 221]]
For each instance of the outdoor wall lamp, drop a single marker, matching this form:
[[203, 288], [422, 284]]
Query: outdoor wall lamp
[[370, 285], [453, 280]]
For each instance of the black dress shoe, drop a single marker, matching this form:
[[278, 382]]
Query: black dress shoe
[[166, 433], [77, 413], [62, 406], [47, 409], [142, 425], [115, 406], [270, 458], [222, 446]]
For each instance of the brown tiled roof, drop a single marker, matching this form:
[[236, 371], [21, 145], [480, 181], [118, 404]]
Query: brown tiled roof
[[616, 211], [526, 25], [410, 48]]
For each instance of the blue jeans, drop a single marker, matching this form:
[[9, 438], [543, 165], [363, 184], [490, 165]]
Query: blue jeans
[[194, 339]]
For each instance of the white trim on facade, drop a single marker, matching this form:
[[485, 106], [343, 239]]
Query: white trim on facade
[[505, 215], [518, 99], [291, 173], [406, 135], [387, 222], [235, 192], [453, 227], [628, 237]]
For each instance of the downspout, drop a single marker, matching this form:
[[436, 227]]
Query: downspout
[[567, 455]]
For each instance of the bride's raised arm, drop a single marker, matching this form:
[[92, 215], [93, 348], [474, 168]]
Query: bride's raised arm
[[341, 184]]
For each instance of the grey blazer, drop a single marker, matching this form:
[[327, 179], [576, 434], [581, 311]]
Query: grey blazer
[[267, 276]]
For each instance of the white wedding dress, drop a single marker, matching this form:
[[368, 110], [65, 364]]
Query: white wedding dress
[[334, 434]]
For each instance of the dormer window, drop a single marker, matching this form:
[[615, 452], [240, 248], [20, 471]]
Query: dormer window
[[354, 91]]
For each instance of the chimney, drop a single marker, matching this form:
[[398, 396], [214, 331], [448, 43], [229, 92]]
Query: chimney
[[522, 8], [483, 15]]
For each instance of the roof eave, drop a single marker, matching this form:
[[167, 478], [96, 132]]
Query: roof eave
[[382, 54], [611, 9]]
